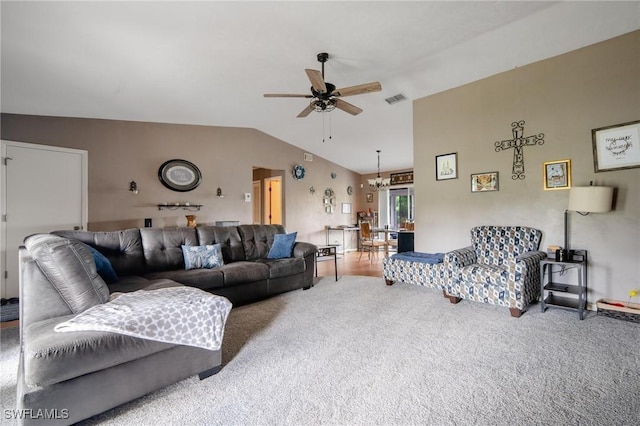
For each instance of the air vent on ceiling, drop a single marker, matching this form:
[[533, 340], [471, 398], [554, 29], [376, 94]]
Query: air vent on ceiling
[[395, 99], [308, 157]]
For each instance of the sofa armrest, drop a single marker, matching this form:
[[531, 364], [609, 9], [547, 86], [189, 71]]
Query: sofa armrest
[[302, 249], [461, 257]]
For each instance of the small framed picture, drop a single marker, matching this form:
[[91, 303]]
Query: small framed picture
[[369, 197], [346, 208], [483, 182], [616, 147], [557, 174], [447, 166]]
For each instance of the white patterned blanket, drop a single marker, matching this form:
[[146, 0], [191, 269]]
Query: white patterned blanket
[[177, 315]]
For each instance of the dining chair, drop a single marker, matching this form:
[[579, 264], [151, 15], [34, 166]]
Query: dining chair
[[368, 242]]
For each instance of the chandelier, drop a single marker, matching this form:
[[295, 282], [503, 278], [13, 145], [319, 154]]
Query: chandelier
[[379, 183]]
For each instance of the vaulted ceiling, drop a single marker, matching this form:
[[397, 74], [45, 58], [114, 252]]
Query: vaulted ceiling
[[209, 63]]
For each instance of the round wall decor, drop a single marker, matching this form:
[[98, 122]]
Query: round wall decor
[[298, 172], [179, 175]]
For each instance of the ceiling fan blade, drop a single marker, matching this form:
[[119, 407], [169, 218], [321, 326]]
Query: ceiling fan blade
[[359, 89], [347, 107], [285, 95], [306, 111], [317, 81]]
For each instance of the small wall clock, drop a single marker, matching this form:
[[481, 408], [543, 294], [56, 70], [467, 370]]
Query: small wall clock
[[298, 172]]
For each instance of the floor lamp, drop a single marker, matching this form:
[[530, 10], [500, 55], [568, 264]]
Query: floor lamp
[[585, 200]]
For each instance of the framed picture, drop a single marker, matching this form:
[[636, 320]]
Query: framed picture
[[370, 197], [401, 178], [179, 175], [483, 182], [557, 174], [346, 208], [447, 166], [616, 147]]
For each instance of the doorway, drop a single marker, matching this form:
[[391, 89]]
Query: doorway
[[397, 206], [268, 196], [44, 188]]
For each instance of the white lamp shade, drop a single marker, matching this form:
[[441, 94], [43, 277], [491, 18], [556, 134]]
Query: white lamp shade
[[590, 199]]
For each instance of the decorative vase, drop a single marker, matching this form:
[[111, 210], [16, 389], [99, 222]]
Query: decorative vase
[[191, 220]]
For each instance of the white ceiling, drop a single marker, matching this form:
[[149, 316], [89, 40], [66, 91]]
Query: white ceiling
[[209, 63]]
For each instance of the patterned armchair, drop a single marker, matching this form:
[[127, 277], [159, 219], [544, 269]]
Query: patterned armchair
[[501, 267]]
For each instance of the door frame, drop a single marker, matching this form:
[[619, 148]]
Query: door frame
[[84, 158]]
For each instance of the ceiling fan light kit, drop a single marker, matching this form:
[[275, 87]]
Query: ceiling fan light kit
[[324, 95]]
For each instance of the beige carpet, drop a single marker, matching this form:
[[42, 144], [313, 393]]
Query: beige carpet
[[357, 352]]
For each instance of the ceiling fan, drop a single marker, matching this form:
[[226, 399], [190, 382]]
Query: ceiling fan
[[324, 95]]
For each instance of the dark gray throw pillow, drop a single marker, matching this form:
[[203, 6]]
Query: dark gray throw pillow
[[71, 270]]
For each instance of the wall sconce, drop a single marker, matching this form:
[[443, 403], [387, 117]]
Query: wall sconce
[[133, 187], [219, 193]]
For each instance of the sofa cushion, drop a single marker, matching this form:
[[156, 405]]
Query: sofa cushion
[[103, 266], [202, 257], [238, 273], [227, 236], [484, 274], [70, 268], [279, 268], [51, 357], [205, 279], [122, 248], [134, 283], [282, 246], [162, 247], [257, 239]]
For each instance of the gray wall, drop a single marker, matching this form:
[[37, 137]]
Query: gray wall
[[121, 151], [564, 98]]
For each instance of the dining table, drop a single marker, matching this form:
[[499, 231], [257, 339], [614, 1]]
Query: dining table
[[387, 232]]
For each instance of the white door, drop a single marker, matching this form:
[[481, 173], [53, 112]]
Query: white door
[[44, 189]]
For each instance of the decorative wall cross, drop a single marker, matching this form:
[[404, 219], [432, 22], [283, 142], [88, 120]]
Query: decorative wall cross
[[518, 143]]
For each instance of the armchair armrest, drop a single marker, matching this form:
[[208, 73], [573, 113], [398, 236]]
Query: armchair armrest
[[532, 258], [524, 274], [302, 249], [461, 257], [526, 265]]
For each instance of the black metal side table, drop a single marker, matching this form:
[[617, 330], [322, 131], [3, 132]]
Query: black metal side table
[[562, 295], [328, 250]]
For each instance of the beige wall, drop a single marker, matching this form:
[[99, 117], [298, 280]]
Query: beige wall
[[564, 98], [121, 151]]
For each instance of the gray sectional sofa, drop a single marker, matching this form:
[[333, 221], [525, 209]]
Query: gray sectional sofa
[[66, 377]]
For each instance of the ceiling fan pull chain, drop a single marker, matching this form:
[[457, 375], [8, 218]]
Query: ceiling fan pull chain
[[322, 128], [330, 128]]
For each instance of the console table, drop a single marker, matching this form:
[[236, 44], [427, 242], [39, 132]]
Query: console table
[[344, 230]]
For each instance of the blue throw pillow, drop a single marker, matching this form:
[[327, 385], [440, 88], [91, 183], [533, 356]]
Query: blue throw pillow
[[202, 257], [282, 246], [105, 270]]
